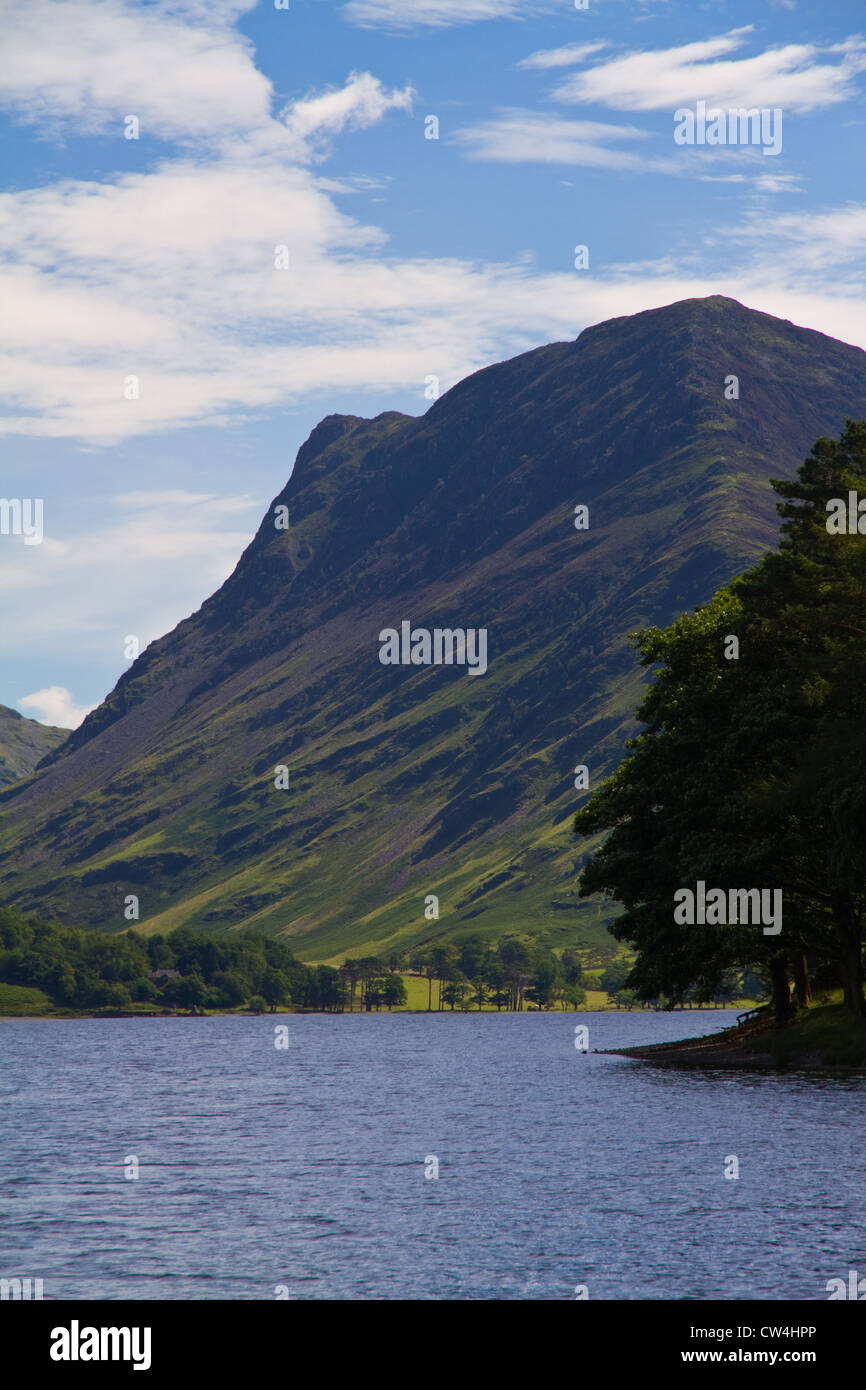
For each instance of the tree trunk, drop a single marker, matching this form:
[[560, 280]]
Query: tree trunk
[[850, 936], [781, 991], [802, 988]]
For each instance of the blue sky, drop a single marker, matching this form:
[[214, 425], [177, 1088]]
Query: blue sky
[[154, 258]]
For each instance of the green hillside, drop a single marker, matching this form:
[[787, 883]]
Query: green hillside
[[24, 743], [407, 781]]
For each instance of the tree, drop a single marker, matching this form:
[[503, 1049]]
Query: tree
[[479, 991], [257, 1005], [748, 770], [494, 976], [517, 960], [351, 969], [232, 987], [274, 987], [615, 976], [455, 990], [430, 972], [444, 961], [473, 952], [544, 980], [570, 996], [370, 971], [327, 988], [110, 996], [191, 992], [572, 966], [64, 986], [374, 993], [394, 991]]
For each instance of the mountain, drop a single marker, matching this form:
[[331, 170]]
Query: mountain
[[23, 743], [407, 781]]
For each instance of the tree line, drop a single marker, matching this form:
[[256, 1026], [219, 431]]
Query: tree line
[[750, 770], [506, 974], [91, 970], [187, 970]]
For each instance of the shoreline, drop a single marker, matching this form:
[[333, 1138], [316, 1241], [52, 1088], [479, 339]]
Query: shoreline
[[758, 1045], [339, 1013]]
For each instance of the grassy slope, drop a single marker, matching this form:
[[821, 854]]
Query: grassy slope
[[19, 1001], [23, 743], [411, 782]]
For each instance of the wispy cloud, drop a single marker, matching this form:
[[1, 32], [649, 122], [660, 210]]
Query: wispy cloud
[[516, 136], [168, 307], [830, 238], [435, 14], [564, 57], [144, 561], [797, 77], [169, 277]]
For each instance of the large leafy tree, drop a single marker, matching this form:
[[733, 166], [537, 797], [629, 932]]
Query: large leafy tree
[[749, 771]]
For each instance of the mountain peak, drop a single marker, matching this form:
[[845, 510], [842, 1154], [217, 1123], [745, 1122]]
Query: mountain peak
[[410, 780]]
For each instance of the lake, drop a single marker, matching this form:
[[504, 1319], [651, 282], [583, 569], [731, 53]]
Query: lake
[[304, 1168]]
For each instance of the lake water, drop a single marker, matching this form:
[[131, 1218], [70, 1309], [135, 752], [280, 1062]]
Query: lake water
[[305, 1167]]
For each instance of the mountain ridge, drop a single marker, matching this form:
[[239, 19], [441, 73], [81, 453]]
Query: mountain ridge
[[406, 781], [24, 743]]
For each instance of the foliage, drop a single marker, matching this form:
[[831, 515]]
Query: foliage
[[472, 971], [749, 771]]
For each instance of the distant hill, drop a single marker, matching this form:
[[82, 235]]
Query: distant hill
[[407, 781], [23, 743]]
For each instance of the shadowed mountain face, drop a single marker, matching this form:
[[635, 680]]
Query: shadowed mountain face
[[409, 780], [24, 743]]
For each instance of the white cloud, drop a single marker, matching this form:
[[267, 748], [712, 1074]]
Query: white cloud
[[434, 14], [517, 136], [54, 705], [832, 237], [145, 561], [778, 183], [563, 57], [360, 103], [179, 67], [796, 77], [169, 276], [148, 558]]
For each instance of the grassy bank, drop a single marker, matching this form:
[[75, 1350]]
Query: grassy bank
[[824, 1035], [20, 1001]]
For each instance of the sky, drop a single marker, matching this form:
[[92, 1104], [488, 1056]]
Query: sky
[[222, 220]]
